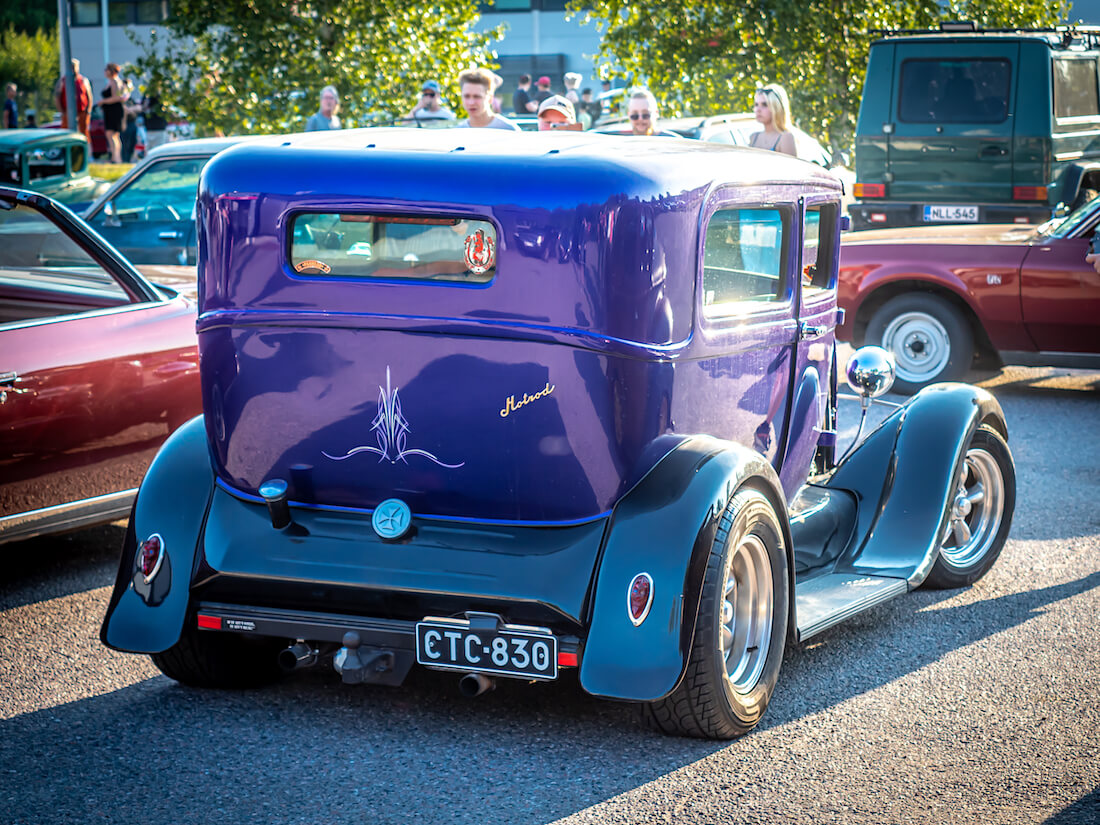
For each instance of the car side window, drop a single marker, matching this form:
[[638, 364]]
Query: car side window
[[743, 255], [45, 274], [166, 191], [78, 157], [818, 233]]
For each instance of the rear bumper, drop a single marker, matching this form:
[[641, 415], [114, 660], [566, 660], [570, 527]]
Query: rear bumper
[[875, 214]]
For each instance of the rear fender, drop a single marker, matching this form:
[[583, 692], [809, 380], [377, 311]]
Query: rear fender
[[172, 502], [665, 526], [903, 476]]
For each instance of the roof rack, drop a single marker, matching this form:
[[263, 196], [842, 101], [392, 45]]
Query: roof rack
[[1090, 35]]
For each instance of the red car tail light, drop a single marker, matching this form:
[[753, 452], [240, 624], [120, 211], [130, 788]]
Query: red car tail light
[[210, 622], [640, 598], [567, 659], [1029, 193], [151, 557], [869, 190]]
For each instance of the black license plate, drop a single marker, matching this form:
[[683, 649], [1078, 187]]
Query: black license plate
[[509, 651]]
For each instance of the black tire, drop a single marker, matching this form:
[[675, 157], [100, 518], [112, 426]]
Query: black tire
[[711, 703], [213, 659], [930, 339], [988, 480]]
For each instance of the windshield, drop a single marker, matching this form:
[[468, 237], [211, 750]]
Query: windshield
[[1066, 225]]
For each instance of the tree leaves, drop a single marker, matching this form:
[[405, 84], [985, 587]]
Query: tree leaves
[[258, 66], [703, 57]]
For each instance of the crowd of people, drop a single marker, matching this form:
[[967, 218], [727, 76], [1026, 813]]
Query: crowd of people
[[570, 108], [125, 110]]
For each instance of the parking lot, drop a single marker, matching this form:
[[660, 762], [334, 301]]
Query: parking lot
[[967, 706]]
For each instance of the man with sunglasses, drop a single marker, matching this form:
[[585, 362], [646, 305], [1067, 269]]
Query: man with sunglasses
[[429, 106], [641, 108]]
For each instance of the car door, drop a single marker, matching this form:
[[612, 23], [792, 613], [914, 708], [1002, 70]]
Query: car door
[[96, 366], [951, 129], [1060, 296], [814, 361], [150, 219], [748, 323]]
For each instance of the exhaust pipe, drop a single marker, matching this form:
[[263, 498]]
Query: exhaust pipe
[[475, 684], [297, 656]]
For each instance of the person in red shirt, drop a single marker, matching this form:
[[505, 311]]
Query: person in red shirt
[[83, 101]]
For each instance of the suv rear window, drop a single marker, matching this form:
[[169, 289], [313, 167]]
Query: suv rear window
[[393, 246], [954, 91], [1075, 90]]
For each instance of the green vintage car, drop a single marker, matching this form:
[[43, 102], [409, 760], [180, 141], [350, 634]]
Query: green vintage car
[[49, 161]]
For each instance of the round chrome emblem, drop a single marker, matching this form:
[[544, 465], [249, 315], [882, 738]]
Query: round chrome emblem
[[392, 519]]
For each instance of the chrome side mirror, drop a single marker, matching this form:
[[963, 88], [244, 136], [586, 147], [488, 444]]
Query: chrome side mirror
[[871, 372]]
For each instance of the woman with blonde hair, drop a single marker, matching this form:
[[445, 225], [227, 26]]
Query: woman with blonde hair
[[772, 109]]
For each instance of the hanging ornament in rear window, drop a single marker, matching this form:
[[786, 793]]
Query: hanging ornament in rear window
[[480, 252]]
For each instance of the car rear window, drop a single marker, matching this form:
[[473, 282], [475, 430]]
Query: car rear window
[[954, 91], [742, 258], [435, 248], [1075, 88]]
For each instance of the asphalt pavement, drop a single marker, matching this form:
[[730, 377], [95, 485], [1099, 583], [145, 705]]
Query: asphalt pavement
[[979, 705]]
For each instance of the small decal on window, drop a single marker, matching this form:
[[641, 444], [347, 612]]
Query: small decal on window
[[320, 266], [480, 251]]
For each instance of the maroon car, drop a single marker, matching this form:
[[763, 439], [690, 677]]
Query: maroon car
[[97, 366], [944, 299]]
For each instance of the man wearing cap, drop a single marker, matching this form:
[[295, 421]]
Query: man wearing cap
[[556, 112], [542, 92], [429, 106]]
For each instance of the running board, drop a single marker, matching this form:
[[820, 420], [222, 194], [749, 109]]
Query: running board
[[827, 600]]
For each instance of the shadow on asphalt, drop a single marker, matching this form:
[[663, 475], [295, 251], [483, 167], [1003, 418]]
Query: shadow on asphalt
[[54, 566], [1085, 811], [311, 749]]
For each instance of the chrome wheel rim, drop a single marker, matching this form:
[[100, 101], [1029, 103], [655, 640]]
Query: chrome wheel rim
[[747, 608], [920, 344], [976, 510]]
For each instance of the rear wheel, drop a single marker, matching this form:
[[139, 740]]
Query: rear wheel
[[930, 340], [740, 632], [212, 659], [979, 513]]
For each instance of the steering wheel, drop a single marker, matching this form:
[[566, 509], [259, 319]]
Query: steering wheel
[[152, 207]]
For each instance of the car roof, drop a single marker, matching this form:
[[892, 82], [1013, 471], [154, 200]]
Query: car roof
[[17, 138], [499, 166]]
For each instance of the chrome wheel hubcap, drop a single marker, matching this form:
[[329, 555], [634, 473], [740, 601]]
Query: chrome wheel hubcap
[[920, 344], [976, 512], [747, 609]]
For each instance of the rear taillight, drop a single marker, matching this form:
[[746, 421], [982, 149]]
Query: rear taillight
[[640, 598], [151, 557], [869, 190], [1029, 193]]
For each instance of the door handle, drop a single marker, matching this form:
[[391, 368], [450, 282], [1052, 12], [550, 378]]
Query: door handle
[[993, 151], [170, 235], [7, 384], [811, 330]]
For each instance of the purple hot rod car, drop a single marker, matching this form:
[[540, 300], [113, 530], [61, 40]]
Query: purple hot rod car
[[530, 406]]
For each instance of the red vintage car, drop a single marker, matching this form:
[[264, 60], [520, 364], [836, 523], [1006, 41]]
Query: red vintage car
[[945, 299], [97, 366]]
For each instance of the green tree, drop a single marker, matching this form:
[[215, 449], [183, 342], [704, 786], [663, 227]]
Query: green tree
[[28, 18], [258, 66], [31, 62], [704, 57]]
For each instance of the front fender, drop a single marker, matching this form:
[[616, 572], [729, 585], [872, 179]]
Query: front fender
[[903, 476], [665, 526], [172, 501]]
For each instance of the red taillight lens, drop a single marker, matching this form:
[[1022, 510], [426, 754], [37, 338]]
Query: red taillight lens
[[567, 659], [878, 217], [210, 622], [150, 556], [1029, 193], [869, 190], [640, 598]]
